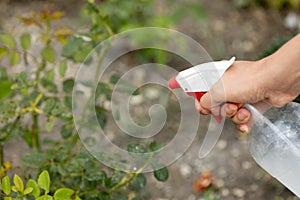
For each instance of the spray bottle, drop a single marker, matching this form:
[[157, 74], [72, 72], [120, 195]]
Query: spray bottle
[[274, 140]]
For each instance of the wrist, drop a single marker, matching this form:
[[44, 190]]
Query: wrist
[[262, 73]]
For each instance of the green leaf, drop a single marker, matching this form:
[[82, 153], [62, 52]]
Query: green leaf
[[82, 53], [62, 68], [136, 148], [35, 188], [3, 73], [114, 180], [44, 197], [25, 41], [71, 47], [18, 183], [5, 90], [34, 159], [28, 190], [15, 58], [3, 52], [155, 146], [161, 174], [65, 194], [48, 85], [127, 88], [95, 175], [50, 75], [119, 196], [27, 137], [49, 104], [58, 109], [138, 151], [7, 198], [114, 79], [8, 40], [101, 116], [6, 185], [103, 88], [49, 124], [44, 181], [68, 102], [14, 188], [48, 54], [68, 85], [139, 182], [66, 131]]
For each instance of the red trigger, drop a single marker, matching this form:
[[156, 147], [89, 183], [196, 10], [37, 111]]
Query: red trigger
[[197, 95]]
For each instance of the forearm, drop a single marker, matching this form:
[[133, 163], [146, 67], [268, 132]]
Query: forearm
[[284, 66]]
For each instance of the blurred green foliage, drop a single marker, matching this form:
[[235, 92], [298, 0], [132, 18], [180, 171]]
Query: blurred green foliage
[[38, 190], [277, 4], [36, 99]]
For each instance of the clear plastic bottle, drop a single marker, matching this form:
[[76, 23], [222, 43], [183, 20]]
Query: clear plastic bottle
[[274, 143]]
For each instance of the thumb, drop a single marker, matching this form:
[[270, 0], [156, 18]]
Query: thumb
[[214, 97], [209, 103], [206, 101]]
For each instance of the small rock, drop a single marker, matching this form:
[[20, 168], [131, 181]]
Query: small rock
[[152, 93], [220, 183], [235, 153], [291, 21], [246, 165], [185, 170], [219, 25], [138, 76], [238, 192], [192, 197], [248, 46], [222, 144], [222, 172], [136, 99], [225, 192], [253, 187], [110, 135], [107, 105]]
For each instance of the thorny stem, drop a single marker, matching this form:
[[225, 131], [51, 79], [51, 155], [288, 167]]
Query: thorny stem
[[35, 132], [35, 118]]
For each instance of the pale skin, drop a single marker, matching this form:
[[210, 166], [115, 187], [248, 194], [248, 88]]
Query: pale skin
[[274, 80]]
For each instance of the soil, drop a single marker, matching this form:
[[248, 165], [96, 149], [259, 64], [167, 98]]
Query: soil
[[227, 31]]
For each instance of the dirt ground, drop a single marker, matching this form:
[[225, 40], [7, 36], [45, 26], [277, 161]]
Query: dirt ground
[[227, 31]]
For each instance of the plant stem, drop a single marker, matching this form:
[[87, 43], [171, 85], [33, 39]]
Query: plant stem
[[1, 155], [131, 175], [35, 126], [35, 132]]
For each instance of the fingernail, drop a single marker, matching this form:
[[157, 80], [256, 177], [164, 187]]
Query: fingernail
[[230, 109], [244, 129], [241, 116]]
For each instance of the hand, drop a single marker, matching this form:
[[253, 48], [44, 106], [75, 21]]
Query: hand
[[235, 85], [274, 80]]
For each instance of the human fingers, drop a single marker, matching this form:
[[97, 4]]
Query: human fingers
[[229, 109], [200, 109], [242, 116], [243, 128]]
